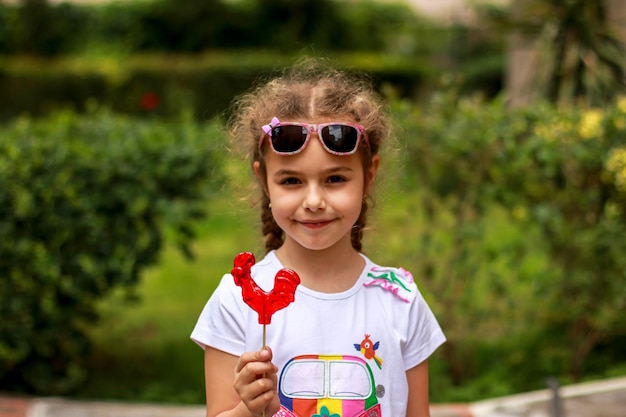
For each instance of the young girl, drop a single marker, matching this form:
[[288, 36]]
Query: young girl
[[355, 341]]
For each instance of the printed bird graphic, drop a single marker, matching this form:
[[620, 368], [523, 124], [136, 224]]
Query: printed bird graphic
[[368, 349]]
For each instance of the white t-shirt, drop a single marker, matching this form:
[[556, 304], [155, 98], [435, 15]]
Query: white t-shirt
[[339, 353]]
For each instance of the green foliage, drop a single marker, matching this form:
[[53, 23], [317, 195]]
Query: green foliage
[[41, 28], [161, 56], [166, 86], [35, 27], [558, 173], [84, 204], [512, 221], [160, 363]]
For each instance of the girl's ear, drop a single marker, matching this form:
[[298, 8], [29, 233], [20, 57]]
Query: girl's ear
[[256, 165], [373, 169], [260, 174]]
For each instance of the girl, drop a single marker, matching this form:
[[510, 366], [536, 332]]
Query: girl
[[355, 341]]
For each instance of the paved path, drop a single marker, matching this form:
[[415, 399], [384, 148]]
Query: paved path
[[605, 398], [598, 399]]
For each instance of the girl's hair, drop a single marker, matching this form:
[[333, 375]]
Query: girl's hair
[[310, 89]]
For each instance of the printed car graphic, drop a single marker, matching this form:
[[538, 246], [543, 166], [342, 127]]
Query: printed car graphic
[[327, 386]]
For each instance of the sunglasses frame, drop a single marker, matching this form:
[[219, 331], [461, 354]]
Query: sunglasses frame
[[310, 129]]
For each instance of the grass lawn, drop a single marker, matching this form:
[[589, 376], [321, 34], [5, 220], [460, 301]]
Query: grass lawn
[[142, 348]]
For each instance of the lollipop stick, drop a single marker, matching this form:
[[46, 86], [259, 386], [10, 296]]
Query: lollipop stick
[[264, 336], [264, 343]]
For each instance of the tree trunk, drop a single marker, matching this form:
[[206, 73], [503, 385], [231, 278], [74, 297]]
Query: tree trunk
[[522, 62]]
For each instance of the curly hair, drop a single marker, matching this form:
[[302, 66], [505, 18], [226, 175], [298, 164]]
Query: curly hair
[[309, 89]]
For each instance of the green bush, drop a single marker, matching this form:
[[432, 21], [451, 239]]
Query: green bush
[[84, 205], [559, 175]]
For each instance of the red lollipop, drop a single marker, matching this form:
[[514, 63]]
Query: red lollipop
[[264, 303]]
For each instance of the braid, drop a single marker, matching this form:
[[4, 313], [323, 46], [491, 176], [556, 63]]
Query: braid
[[356, 234], [272, 232]]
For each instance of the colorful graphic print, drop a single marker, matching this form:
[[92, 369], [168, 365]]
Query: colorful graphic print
[[327, 386], [390, 279], [368, 349]]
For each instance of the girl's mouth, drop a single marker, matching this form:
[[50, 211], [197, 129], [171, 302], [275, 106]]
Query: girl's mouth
[[315, 224]]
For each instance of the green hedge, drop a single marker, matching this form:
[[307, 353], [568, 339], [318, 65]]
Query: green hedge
[[84, 205], [43, 28], [161, 56], [168, 85]]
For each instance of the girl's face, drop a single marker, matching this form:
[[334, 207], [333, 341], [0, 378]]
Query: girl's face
[[316, 196]]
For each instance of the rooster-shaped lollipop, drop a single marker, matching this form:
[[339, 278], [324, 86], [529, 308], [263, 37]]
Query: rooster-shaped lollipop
[[264, 303]]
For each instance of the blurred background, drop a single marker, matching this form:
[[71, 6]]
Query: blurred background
[[504, 191]]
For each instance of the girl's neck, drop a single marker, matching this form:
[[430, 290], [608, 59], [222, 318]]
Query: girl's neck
[[331, 270]]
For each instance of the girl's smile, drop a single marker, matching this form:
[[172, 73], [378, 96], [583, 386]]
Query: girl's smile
[[314, 224]]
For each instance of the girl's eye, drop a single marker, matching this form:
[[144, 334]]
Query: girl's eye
[[336, 178], [290, 181]]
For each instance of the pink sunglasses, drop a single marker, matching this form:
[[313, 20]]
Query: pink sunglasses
[[289, 138]]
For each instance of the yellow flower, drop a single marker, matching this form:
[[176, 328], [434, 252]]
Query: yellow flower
[[554, 130], [616, 166], [590, 125], [542, 131]]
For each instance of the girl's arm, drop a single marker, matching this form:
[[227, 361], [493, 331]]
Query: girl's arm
[[418, 404], [244, 386]]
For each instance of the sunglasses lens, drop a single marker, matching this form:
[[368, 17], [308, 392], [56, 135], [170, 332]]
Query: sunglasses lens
[[288, 139], [340, 138]]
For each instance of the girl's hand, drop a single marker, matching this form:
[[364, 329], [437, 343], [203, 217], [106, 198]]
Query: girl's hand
[[256, 382]]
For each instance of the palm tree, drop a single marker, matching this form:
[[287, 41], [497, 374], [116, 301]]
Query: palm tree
[[564, 50]]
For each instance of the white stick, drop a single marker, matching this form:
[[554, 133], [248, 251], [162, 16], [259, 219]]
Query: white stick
[[264, 344]]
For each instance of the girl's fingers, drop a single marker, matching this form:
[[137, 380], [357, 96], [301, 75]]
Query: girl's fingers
[[256, 380], [257, 395], [256, 390], [264, 355], [255, 363]]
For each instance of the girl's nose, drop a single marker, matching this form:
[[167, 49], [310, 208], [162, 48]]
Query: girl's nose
[[314, 199]]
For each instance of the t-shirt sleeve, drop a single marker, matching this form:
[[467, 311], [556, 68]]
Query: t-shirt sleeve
[[424, 333], [221, 324]]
